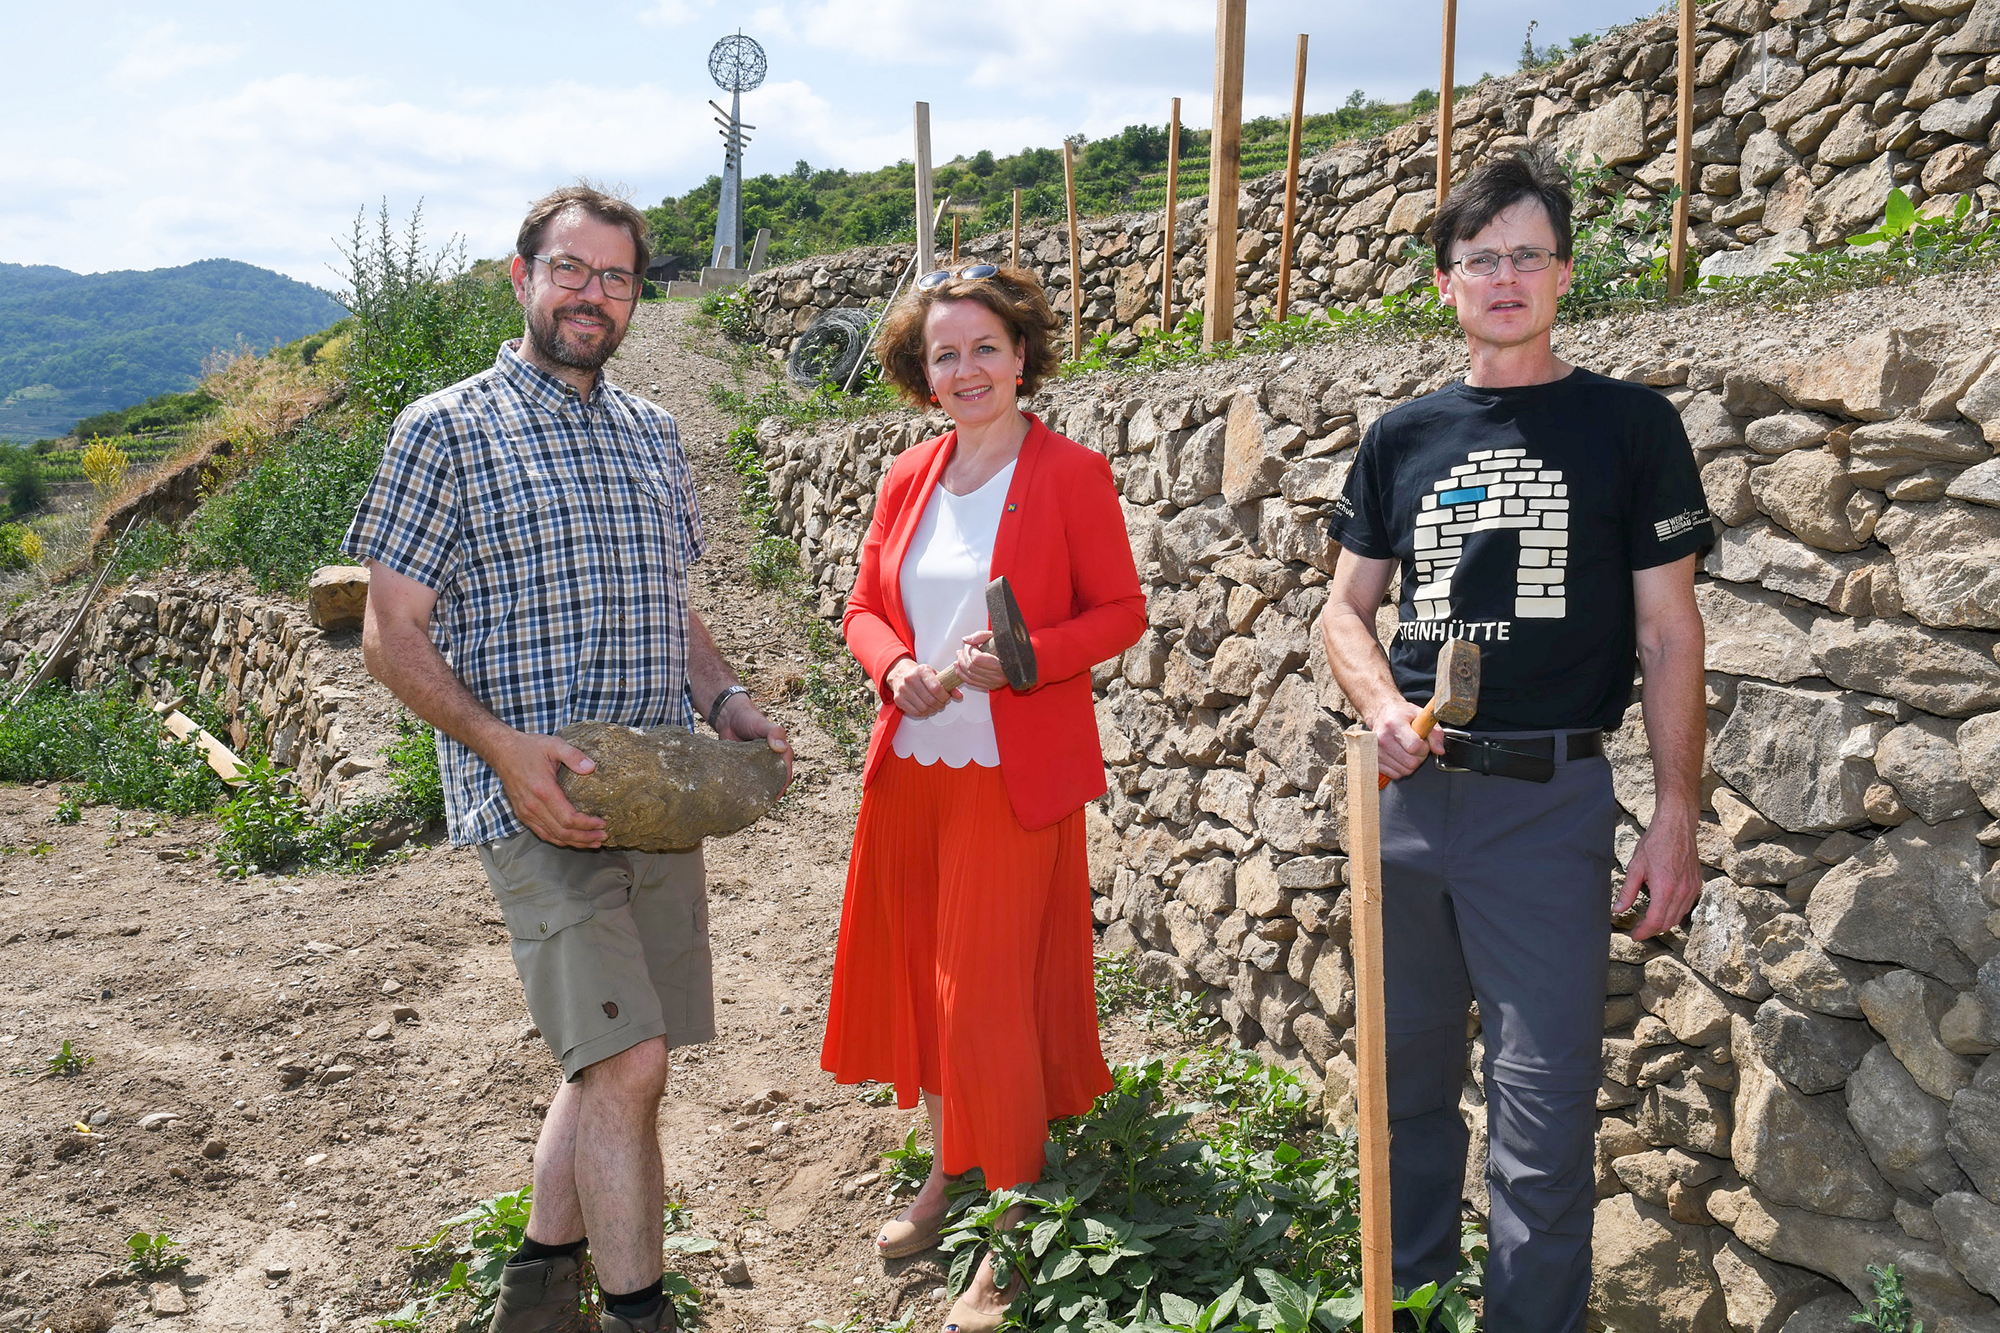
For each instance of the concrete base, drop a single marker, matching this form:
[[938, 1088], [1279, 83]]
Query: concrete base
[[712, 280]]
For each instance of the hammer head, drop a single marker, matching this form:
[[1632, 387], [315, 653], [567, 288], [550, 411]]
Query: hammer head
[[1457, 682], [1010, 635]]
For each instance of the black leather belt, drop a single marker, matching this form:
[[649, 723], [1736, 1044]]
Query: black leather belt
[[1529, 758]]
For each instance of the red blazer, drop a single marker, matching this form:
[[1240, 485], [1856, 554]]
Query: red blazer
[[1062, 546]]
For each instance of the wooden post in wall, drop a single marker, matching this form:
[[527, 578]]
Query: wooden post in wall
[[1364, 868], [1225, 166], [926, 237], [1444, 102], [1677, 253], [1017, 227], [1075, 255], [1173, 202], [1292, 182], [954, 238]]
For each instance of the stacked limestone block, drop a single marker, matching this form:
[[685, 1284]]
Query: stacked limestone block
[[322, 715], [1807, 113], [1797, 1084]]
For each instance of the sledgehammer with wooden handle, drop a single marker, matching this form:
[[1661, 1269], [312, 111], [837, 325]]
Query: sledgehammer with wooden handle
[[1010, 642], [1457, 697]]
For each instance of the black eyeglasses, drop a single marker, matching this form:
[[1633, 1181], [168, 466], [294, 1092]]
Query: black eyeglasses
[[1527, 259], [575, 275], [969, 272]]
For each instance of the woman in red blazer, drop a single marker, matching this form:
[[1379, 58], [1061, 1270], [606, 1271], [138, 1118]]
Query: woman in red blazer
[[964, 964]]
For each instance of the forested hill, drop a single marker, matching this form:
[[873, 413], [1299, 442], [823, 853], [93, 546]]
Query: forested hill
[[74, 344]]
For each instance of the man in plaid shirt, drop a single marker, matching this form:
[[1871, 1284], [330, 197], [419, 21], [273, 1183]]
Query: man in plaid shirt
[[528, 539]]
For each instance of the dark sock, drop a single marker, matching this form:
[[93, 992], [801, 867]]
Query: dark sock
[[531, 1250], [638, 1302]]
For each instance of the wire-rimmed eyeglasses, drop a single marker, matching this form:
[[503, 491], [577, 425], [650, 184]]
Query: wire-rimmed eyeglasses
[[969, 272], [574, 275], [1485, 263]]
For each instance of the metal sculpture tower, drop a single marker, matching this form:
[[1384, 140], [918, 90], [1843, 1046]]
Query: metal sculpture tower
[[737, 65]]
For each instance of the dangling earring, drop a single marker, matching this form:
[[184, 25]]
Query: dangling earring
[[934, 401], [1019, 380]]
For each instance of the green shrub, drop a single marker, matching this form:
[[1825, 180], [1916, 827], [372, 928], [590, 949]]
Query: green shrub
[[774, 562], [67, 1062], [732, 313], [421, 321], [1907, 245], [153, 1253], [266, 826], [1889, 1311], [21, 474], [149, 547], [1205, 1185], [459, 1274], [413, 766], [20, 546], [286, 515], [110, 744]]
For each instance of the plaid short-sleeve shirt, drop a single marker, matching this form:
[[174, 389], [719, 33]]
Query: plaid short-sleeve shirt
[[557, 531]]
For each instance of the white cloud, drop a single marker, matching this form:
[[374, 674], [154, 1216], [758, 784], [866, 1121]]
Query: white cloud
[[675, 13], [157, 52]]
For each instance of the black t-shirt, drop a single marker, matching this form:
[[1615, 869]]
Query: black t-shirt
[[1519, 516]]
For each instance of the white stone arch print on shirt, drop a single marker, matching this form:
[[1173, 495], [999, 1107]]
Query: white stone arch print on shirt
[[1495, 489]]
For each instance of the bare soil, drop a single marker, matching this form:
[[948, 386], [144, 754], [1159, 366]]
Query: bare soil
[[291, 1192]]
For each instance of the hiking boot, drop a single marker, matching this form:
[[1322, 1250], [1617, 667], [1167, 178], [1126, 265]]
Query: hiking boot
[[540, 1296], [660, 1319]]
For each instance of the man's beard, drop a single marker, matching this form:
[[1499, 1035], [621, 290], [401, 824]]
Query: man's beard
[[545, 331]]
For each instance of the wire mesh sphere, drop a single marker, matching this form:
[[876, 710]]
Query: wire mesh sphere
[[736, 63]]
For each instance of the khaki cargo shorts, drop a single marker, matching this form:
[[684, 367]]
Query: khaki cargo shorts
[[611, 946]]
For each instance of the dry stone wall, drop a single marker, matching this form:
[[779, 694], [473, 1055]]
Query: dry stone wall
[[1807, 113], [1802, 1081], [322, 715]]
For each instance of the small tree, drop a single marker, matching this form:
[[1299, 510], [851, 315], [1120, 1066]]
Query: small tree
[[422, 321], [22, 476]]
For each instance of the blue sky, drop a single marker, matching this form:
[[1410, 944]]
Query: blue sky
[[141, 138]]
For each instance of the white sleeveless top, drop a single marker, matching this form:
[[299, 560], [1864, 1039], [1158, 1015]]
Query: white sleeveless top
[[943, 580]]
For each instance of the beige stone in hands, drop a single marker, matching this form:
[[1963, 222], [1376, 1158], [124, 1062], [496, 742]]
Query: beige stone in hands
[[664, 790]]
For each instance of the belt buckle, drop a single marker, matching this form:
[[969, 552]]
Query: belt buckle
[[1466, 746]]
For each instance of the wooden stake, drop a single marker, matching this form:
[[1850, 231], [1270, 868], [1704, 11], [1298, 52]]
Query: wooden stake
[[1364, 868], [1167, 280], [1292, 182], [1017, 227], [1677, 254], [1075, 256], [220, 757], [954, 238], [1225, 167], [1444, 102], [926, 234]]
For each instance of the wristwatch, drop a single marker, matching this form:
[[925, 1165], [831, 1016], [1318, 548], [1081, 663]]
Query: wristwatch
[[722, 702]]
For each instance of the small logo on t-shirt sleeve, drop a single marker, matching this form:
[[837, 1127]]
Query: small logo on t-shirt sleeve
[[1669, 528]]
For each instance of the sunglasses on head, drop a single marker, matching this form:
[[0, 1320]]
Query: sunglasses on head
[[966, 272]]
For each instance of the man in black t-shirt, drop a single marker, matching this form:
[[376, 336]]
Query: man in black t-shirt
[[1553, 517]]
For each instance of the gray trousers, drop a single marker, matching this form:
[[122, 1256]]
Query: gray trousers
[[1498, 890]]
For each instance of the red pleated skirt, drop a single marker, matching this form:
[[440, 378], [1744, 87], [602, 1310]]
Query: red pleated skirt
[[964, 965]]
